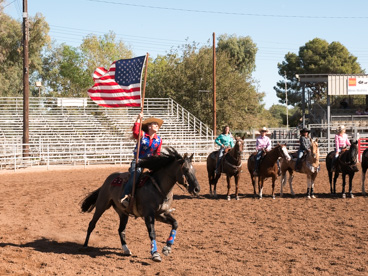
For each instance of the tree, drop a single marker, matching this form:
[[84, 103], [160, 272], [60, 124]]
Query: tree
[[242, 51], [11, 48], [184, 72], [315, 57]]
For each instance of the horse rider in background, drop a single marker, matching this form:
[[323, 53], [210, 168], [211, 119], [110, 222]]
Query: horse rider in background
[[341, 142], [150, 145], [263, 144], [305, 144], [226, 141]]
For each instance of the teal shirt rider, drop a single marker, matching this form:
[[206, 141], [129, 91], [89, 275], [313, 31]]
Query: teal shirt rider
[[225, 139]]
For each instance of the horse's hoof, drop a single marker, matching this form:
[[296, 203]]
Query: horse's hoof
[[273, 197], [237, 197], [343, 195], [228, 198], [156, 257], [313, 196], [309, 197], [351, 196], [166, 250], [126, 251]]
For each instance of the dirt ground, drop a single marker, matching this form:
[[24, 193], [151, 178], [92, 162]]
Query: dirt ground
[[42, 229]]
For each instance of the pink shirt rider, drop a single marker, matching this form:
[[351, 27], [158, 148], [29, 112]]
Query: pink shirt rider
[[263, 143], [341, 141]]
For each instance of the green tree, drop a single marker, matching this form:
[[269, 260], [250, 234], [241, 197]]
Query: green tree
[[315, 57], [11, 52], [184, 72], [241, 50]]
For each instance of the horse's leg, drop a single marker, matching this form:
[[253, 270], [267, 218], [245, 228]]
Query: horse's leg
[[273, 186], [150, 224], [228, 186], [363, 181], [254, 184], [236, 177], [351, 176], [260, 186], [282, 182], [100, 209], [336, 175], [330, 180], [123, 223], [169, 219], [216, 179], [309, 186], [343, 185], [291, 177], [313, 177]]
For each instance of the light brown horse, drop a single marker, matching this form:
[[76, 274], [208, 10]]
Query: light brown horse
[[267, 167], [231, 165], [310, 167]]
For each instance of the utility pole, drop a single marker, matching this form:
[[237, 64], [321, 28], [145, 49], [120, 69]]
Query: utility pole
[[214, 85], [25, 81], [286, 101]]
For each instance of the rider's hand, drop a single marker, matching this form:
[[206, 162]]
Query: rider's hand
[[140, 116]]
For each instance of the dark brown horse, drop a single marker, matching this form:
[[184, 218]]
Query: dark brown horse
[[310, 167], [153, 198], [231, 165], [267, 167], [364, 168], [346, 165]]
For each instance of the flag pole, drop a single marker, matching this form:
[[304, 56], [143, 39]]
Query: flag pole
[[139, 135]]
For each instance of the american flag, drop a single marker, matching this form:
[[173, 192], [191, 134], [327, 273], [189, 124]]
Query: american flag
[[120, 85]]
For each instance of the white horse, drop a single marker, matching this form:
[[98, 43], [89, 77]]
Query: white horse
[[310, 167]]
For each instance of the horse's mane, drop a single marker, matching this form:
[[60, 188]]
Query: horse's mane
[[155, 163]]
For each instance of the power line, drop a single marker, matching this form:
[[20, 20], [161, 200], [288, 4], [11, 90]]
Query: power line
[[232, 13]]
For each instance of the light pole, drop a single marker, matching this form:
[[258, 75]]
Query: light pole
[[286, 101], [39, 85]]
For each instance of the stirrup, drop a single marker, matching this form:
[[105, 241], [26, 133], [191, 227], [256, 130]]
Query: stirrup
[[125, 201]]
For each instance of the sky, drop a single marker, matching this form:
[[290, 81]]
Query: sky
[[156, 26]]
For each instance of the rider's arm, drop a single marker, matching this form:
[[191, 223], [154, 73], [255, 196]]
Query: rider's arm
[[218, 140], [347, 141]]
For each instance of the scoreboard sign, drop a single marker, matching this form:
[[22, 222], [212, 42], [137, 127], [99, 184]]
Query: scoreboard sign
[[357, 86]]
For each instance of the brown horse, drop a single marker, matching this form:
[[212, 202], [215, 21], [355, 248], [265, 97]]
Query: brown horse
[[364, 168], [231, 165], [153, 197], [310, 167], [267, 167]]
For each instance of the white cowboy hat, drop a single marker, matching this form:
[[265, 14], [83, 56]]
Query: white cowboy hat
[[263, 129], [152, 120], [341, 128]]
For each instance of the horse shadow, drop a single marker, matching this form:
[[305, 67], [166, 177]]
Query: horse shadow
[[46, 245]]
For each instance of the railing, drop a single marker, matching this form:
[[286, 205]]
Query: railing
[[362, 146]]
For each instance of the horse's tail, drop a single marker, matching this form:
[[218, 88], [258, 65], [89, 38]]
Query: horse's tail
[[90, 201]]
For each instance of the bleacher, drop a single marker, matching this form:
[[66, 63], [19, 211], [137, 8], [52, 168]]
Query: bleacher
[[77, 131]]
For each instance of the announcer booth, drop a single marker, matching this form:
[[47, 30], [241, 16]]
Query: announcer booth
[[337, 85]]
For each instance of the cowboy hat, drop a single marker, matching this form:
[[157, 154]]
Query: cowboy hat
[[263, 129], [304, 130], [341, 128], [152, 120]]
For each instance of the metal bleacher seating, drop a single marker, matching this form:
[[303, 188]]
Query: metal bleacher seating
[[77, 131]]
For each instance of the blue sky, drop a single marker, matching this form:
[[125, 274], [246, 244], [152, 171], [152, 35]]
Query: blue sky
[[277, 27]]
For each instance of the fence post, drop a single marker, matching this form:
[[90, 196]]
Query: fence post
[[85, 155], [15, 156], [48, 156]]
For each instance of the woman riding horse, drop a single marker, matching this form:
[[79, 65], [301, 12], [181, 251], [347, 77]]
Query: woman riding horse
[[263, 144], [226, 141], [309, 166], [341, 142], [304, 146], [150, 145]]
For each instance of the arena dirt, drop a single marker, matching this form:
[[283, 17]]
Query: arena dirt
[[42, 229]]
